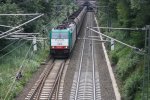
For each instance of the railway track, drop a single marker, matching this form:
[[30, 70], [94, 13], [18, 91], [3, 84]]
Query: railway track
[[86, 84], [50, 83]]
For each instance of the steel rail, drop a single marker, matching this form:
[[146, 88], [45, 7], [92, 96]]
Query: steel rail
[[80, 67], [43, 81], [38, 89], [44, 74], [86, 72], [114, 83], [93, 69], [54, 85], [57, 81], [57, 89], [58, 85]]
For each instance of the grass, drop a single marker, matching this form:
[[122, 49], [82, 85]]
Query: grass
[[10, 64], [129, 68]]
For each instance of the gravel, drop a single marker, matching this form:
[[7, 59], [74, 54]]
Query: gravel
[[107, 92]]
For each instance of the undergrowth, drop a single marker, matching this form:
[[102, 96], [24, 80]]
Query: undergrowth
[[127, 62], [128, 68], [10, 64]]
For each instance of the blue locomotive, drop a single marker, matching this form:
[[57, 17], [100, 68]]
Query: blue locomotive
[[63, 37]]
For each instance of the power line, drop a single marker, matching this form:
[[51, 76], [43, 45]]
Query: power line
[[26, 33], [29, 39], [133, 47], [20, 25], [11, 33], [16, 41], [6, 26], [131, 29], [30, 14], [23, 38], [8, 45], [20, 68], [13, 50]]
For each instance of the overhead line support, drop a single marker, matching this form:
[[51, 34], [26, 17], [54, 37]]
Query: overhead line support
[[30, 14], [6, 26], [19, 26], [146, 75], [135, 48], [11, 33], [130, 29]]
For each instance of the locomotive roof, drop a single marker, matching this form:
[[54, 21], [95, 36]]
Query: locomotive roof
[[58, 30]]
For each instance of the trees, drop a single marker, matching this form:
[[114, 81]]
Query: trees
[[128, 13]]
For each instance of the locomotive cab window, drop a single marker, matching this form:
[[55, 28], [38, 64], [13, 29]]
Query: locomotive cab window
[[59, 35]]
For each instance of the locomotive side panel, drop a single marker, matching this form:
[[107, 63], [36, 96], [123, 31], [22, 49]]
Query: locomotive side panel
[[60, 45]]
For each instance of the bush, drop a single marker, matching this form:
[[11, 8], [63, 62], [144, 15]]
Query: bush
[[131, 85], [114, 59]]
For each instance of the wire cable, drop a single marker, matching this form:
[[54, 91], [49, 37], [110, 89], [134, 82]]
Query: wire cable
[[130, 29], [24, 38], [8, 45], [12, 50], [20, 68], [133, 47], [4, 34]]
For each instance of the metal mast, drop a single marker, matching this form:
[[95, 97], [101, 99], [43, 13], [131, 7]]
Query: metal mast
[[146, 76]]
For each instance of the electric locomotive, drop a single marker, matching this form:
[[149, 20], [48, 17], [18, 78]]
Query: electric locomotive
[[63, 37]]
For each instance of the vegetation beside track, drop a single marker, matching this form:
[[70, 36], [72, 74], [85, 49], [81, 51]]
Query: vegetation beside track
[[128, 64], [10, 64]]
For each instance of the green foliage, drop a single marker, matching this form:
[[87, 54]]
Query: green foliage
[[9, 64], [132, 85], [9, 20], [129, 64], [123, 13], [114, 58], [8, 70]]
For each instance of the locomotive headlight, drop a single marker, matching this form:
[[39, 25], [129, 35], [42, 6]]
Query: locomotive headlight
[[66, 47], [53, 47]]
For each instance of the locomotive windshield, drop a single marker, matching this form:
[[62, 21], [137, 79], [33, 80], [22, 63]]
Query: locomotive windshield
[[59, 35]]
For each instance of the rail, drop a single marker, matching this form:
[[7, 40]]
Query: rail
[[54, 70]]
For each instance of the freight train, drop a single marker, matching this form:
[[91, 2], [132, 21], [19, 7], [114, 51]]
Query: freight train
[[63, 37]]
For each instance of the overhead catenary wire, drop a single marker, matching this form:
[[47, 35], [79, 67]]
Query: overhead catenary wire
[[20, 68], [20, 26], [8, 45], [23, 38], [13, 49], [30, 14], [133, 47], [10, 33], [130, 29], [6, 26]]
